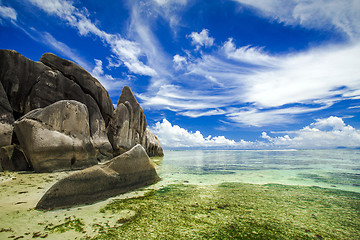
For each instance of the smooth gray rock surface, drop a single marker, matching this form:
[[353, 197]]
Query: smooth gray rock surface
[[18, 76], [88, 83], [152, 145], [125, 172], [28, 85], [57, 137], [128, 127]]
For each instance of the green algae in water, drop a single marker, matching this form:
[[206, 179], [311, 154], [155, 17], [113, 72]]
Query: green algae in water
[[234, 210], [334, 178], [70, 223]]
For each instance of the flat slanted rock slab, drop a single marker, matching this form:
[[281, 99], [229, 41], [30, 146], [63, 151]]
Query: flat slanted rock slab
[[126, 172]]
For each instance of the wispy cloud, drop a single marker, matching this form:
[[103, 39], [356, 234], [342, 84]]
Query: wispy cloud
[[108, 81], [321, 14], [195, 114], [325, 133], [62, 48], [176, 99], [8, 13], [316, 78], [251, 116], [171, 11], [125, 51], [247, 54], [245, 84]]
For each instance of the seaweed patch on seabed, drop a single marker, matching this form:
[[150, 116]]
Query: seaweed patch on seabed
[[233, 210], [334, 178]]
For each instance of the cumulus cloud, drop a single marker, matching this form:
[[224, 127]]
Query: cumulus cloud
[[325, 133], [173, 136], [201, 39], [330, 132], [179, 61], [321, 14]]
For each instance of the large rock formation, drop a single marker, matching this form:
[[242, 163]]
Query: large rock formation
[[57, 137], [128, 127], [29, 85], [28, 89], [128, 171]]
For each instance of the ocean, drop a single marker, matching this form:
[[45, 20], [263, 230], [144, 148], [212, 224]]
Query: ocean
[[336, 169]]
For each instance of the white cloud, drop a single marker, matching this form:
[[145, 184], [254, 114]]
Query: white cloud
[[326, 133], [331, 132], [321, 14], [170, 10], [107, 80], [97, 71], [316, 78], [247, 54], [195, 114], [8, 13], [316, 75], [179, 61], [173, 136], [170, 2], [201, 39], [62, 48], [180, 99], [125, 51], [259, 118]]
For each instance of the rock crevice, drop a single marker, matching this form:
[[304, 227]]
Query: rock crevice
[[128, 127]]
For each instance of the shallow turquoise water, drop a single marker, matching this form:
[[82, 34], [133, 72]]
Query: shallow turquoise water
[[338, 169]]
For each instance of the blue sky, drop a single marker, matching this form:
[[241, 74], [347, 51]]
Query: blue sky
[[234, 74]]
